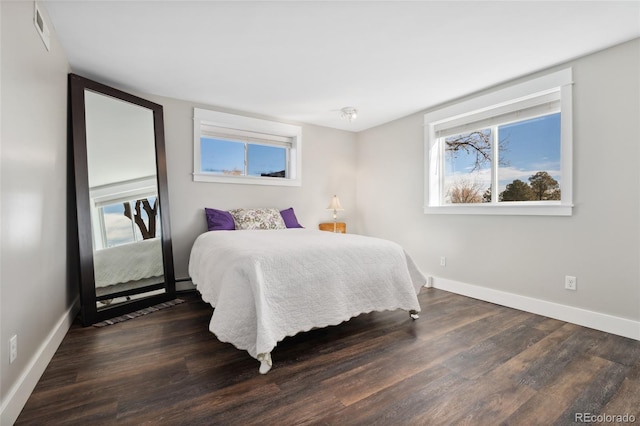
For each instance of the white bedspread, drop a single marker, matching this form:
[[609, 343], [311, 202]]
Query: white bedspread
[[266, 285], [128, 262]]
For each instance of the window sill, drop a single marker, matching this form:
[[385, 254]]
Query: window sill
[[246, 180], [503, 209]]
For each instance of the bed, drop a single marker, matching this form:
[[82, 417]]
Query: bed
[[266, 285], [137, 265]]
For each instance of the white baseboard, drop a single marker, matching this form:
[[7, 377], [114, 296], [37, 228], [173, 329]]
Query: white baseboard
[[598, 321], [21, 390]]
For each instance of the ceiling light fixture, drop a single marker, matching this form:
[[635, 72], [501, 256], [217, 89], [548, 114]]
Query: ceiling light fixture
[[348, 113]]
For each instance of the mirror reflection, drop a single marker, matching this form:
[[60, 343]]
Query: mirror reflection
[[125, 216]]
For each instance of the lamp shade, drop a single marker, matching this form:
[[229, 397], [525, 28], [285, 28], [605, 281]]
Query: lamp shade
[[335, 204]]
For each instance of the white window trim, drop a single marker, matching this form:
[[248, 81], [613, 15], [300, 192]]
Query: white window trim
[[124, 191], [561, 80], [238, 124]]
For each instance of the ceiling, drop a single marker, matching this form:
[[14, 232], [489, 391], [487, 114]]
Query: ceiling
[[304, 60]]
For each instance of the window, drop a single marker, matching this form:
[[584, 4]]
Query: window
[[129, 221], [235, 149], [517, 140], [124, 212]]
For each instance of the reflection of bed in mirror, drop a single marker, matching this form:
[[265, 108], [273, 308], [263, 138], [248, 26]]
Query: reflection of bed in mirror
[[125, 269]]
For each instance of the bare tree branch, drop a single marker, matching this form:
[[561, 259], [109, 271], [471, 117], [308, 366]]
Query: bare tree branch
[[465, 192], [477, 143]]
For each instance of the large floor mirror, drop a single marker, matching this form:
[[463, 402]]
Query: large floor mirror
[[122, 206]]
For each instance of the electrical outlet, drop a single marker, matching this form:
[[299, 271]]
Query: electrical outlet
[[443, 261], [570, 283], [13, 349]]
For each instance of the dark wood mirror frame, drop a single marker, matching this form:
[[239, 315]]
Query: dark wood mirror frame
[[90, 314]]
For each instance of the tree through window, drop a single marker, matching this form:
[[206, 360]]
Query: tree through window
[[523, 148]]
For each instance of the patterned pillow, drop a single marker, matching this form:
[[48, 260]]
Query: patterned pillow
[[257, 219]]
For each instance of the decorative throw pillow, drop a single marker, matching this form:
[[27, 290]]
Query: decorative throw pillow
[[290, 219], [218, 220], [257, 219]]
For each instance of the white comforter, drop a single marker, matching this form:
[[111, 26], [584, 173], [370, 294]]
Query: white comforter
[[266, 285], [128, 262]]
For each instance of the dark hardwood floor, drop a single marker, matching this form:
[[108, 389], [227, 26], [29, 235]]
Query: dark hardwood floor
[[463, 362]]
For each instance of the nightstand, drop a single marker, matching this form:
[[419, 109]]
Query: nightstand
[[340, 227]]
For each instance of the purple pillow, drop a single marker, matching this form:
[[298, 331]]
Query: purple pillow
[[219, 220], [289, 218]]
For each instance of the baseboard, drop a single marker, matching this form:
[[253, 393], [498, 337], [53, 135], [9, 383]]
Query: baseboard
[[21, 390], [185, 285], [598, 321]]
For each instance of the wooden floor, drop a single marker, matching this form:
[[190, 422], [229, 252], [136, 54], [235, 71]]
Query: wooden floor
[[463, 362]]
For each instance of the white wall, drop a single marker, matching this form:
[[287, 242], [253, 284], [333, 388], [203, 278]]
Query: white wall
[[528, 255], [328, 168], [36, 294]]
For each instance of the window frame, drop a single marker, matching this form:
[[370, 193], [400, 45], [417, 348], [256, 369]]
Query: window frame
[[507, 100], [257, 132]]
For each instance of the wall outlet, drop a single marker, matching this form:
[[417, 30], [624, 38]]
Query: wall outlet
[[443, 261], [570, 283], [13, 348]]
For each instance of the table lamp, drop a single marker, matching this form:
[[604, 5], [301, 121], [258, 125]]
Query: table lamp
[[335, 206]]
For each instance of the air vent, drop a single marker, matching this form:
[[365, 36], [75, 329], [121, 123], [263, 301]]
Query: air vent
[[41, 25]]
